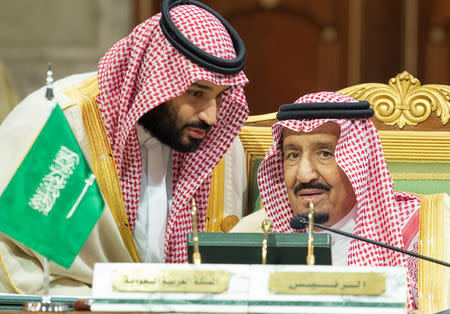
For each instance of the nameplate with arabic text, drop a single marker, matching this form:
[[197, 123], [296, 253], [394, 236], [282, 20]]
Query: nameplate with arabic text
[[171, 280], [372, 284]]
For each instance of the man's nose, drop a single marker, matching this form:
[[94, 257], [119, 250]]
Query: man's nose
[[209, 112], [307, 171]]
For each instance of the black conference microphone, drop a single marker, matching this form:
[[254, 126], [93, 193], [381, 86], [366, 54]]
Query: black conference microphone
[[300, 223]]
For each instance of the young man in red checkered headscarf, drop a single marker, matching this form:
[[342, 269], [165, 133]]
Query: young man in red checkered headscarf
[[153, 130], [339, 166]]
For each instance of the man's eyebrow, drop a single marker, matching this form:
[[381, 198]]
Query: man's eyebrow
[[202, 86], [290, 146], [206, 87], [317, 145], [324, 145]]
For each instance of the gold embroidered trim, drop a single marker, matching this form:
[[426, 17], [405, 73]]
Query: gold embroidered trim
[[87, 87], [216, 199], [8, 277], [68, 106], [430, 275], [105, 170]]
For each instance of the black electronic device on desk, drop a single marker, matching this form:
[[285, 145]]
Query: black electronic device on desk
[[245, 248]]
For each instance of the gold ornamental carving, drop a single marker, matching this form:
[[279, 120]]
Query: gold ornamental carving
[[404, 101]]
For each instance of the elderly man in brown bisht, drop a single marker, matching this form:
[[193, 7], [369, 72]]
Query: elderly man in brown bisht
[[326, 151], [169, 103]]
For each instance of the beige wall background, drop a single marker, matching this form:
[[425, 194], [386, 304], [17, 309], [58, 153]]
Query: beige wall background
[[73, 35]]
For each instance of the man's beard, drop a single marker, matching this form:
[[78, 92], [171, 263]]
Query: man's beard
[[319, 218], [163, 123]]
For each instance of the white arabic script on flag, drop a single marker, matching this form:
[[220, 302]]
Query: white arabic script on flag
[[48, 190]]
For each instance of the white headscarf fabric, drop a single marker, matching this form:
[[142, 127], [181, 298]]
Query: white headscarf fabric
[[381, 212], [142, 71]]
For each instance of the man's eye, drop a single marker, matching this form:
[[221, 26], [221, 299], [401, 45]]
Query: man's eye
[[293, 155], [196, 93], [325, 154]]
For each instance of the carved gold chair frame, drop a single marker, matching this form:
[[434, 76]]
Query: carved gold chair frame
[[412, 120]]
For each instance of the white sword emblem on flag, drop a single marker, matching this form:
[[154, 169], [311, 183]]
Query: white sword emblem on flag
[[89, 182]]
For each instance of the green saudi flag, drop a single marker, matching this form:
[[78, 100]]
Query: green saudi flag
[[53, 201]]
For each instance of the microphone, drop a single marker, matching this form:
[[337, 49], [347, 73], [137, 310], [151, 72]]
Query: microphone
[[300, 223]]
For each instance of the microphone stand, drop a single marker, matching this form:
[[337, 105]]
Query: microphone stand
[[267, 227], [304, 222], [196, 257], [310, 258]]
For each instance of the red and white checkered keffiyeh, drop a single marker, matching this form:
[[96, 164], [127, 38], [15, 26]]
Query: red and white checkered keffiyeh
[[382, 214], [142, 71]]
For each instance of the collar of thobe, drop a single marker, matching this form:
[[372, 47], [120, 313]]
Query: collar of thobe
[[346, 224], [351, 215], [145, 138]]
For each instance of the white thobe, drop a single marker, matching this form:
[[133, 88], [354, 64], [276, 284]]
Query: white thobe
[[340, 244], [155, 197]]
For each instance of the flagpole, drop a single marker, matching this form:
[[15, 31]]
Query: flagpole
[[46, 304], [46, 284], [46, 299], [49, 90]]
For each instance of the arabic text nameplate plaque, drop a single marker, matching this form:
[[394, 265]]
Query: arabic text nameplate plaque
[[164, 280], [327, 283]]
